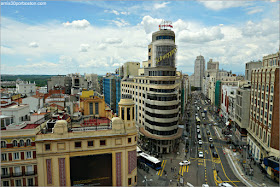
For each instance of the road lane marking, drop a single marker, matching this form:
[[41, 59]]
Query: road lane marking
[[163, 167], [224, 169], [159, 173]]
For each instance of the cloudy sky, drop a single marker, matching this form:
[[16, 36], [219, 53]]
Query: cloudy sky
[[98, 36]]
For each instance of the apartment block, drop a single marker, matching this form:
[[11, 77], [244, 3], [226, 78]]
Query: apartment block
[[263, 131]]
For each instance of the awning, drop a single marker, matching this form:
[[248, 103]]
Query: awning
[[227, 123]]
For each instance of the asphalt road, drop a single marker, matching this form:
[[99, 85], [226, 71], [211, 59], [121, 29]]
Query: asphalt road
[[207, 170]]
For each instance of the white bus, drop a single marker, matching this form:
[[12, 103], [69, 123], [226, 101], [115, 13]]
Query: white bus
[[150, 161]]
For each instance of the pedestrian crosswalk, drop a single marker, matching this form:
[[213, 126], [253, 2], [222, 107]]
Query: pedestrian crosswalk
[[160, 172], [182, 170]]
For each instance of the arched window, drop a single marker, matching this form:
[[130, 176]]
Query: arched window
[[267, 88], [3, 144], [15, 143], [263, 88], [21, 143], [28, 142], [271, 89]]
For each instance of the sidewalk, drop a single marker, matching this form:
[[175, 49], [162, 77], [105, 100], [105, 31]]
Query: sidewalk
[[258, 178]]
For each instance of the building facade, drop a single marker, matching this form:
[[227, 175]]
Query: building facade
[[131, 69], [26, 88], [157, 95], [18, 156], [242, 111], [112, 91], [249, 66], [199, 70], [103, 156], [263, 130]]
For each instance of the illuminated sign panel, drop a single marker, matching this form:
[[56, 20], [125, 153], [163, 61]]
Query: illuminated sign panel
[[91, 170], [165, 55]]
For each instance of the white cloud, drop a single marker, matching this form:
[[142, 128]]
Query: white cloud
[[219, 5], [263, 28], [7, 50], [58, 52], [255, 10], [117, 12], [125, 13], [33, 44], [150, 24], [201, 36], [113, 40], [120, 22], [84, 47], [80, 24], [160, 5]]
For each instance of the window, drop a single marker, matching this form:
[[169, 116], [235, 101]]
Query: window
[[3, 157], [102, 142], [6, 183], [18, 182], [15, 143], [149, 57], [90, 143], [270, 107], [135, 138], [96, 108], [271, 89], [129, 181], [3, 144], [270, 117], [28, 142], [16, 156], [267, 88], [135, 179], [91, 108], [129, 140], [78, 144], [17, 171], [122, 113], [47, 147], [28, 154], [30, 182], [128, 113], [21, 143]]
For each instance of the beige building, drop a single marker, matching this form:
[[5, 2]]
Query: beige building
[[104, 156], [157, 95], [131, 69], [18, 155]]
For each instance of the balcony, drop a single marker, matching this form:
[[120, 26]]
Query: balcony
[[17, 174], [28, 173], [5, 175]]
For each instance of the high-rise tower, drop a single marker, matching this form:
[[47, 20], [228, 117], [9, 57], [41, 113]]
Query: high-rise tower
[[199, 69], [157, 94]]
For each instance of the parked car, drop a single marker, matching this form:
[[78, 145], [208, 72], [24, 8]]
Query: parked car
[[198, 131], [215, 154], [208, 132], [210, 139], [197, 126], [200, 154], [184, 163], [211, 145], [200, 142], [199, 136], [225, 184]]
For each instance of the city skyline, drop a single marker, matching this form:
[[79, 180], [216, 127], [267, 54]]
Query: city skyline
[[97, 37]]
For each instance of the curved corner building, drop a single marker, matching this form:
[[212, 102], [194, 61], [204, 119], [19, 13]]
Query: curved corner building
[[156, 93]]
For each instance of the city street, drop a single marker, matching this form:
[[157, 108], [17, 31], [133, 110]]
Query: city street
[[206, 170]]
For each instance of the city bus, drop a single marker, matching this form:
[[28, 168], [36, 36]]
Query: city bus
[[150, 161], [197, 120]]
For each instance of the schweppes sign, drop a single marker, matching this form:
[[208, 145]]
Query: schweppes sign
[[167, 55]]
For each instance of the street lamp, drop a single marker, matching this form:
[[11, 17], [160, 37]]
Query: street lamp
[[146, 180]]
